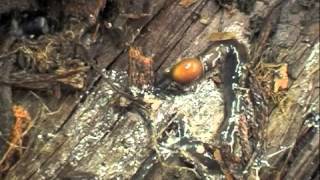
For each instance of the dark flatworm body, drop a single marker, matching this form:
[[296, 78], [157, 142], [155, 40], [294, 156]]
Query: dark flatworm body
[[235, 92]]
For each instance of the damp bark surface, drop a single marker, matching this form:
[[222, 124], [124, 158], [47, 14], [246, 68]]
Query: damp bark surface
[[88, 123]]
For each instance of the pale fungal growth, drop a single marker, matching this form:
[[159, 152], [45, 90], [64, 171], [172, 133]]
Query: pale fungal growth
[[127, 149], [237, 28], [197, 113], [313, 59], [202, 110]]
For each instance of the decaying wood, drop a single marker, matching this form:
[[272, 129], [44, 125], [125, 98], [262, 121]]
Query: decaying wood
[[140, 69], [6, 116], [83, 137]]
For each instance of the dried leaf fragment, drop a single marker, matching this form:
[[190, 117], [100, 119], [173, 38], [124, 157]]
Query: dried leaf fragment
[[281, 81], [186, 3], [74, 77], [222, 36]]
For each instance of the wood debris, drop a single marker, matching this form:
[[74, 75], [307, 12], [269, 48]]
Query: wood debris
[[186, 3], [21, 126], [273, 78], [222, 36], [140, 70]]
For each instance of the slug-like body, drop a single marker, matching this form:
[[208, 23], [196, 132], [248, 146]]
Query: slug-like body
[[187, 71], [238, 110], [232, 75]]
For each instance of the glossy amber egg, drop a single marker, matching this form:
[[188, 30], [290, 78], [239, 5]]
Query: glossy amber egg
[[187, 70]]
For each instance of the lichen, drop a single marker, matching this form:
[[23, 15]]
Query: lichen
[[202, 110]]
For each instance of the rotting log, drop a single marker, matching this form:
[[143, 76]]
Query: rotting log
[[73, 137]]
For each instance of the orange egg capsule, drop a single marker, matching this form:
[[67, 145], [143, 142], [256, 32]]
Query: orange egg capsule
[[187, 70]]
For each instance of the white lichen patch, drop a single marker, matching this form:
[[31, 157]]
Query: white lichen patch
[[90, 124], [201, 110], [96, 121], [313, 59], [304, 81], [238, 29], [128, 151]]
